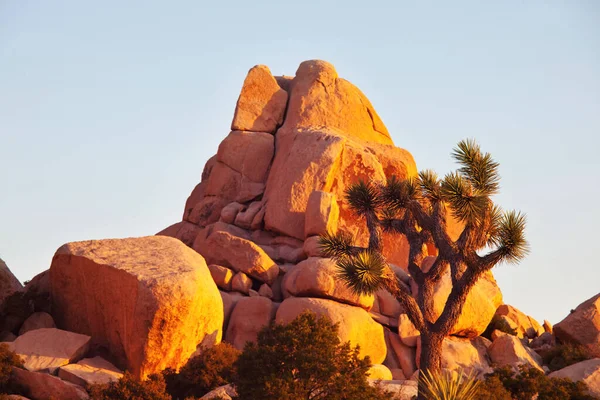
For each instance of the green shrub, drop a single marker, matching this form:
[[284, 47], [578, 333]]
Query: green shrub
[[129, 388], [8, 360], [214, 367], [493, 389], [448, 385], [303, 360], [528, 382], [563, 355], [500, 324]]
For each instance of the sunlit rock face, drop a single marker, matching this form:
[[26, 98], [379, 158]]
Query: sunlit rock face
[[150, 301], [278, 181]]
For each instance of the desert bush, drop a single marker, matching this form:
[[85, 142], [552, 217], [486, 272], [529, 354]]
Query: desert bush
[[130, 388], [8, 360], [493, 389], [214, 367], [303, 360], [563, 355], [498, 323], [446, 384], [529, 382]]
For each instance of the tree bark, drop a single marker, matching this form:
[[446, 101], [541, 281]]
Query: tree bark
[[431, 355]]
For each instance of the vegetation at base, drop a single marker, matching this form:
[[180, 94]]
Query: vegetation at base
[[129, 388], [446, 384], [214, 367], [8, 360], [505, 384], [498, 323], [303, 360], [563, 355]]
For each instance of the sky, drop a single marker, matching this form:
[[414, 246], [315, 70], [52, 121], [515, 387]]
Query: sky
[[109, 110]]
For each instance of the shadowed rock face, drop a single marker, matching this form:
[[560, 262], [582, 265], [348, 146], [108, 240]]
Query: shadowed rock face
[[582, 326], [9, 284], [150, 301]]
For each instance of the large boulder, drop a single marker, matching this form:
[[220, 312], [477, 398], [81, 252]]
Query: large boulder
[[355, 324], [226, 392], [318, 277], [9, 284], [41, 386], [150, 301], [587, 371], [239, 254], [479, 308], [582, 325], [49, 348], [508, 350], [322, 214], [250, 315], [261, 104]]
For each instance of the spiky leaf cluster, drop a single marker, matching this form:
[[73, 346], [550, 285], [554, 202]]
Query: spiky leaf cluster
[[364, 272]]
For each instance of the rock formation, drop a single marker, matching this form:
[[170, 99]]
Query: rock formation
[[247, 255]]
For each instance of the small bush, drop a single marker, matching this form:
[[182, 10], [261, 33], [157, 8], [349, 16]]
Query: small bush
[[214, 367], [448, 385], [129, 388], [493, 389], [563, 355], [8, 360], [529, 382], [303, 360]]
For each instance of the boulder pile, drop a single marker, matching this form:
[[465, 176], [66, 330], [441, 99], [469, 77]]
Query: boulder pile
[[246, 254]]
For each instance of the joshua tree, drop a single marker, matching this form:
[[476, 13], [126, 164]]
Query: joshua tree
[[417, 208]]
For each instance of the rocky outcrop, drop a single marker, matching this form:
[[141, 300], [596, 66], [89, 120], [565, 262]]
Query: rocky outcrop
[[582, 326], [150, 301], [261, 104], [355, 324], [525, 325], [469, 356], [9, 284], [587, 371], [508, 350], [48, 349]]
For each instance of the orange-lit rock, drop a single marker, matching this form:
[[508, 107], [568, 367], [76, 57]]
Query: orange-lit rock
[[90, 371], [320, 98], [150, 301], [355, 324], [221, 275], [261, 104], [47, 349], [322, 214], [466, 355], [317, 277], [582, 325], [379, 372], [479, 308], [508, 350], [249, 316], [248, 153], [239, 254], [526, 325]]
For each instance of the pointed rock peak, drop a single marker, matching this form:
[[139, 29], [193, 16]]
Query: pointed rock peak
[[320, 98]]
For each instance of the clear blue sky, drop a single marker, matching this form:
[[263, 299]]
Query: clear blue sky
[[108, 111]]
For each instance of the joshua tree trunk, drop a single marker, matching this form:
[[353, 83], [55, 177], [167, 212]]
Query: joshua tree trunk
[[431, 352]]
